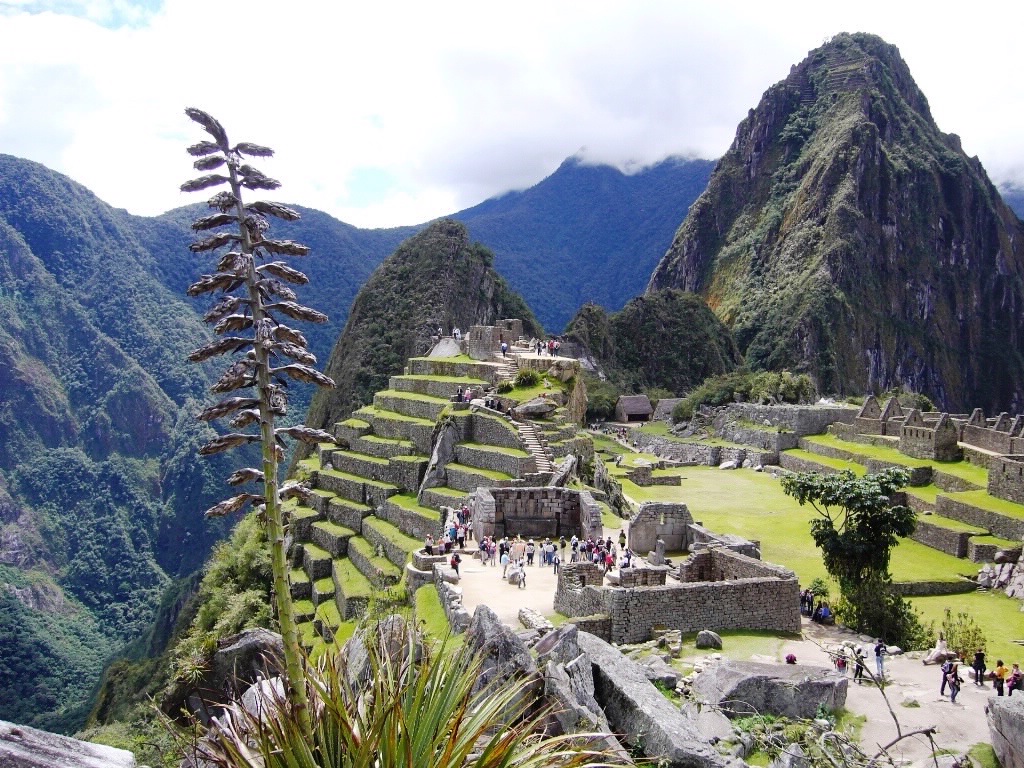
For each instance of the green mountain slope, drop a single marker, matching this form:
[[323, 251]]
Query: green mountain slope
[[845, 236], [435, 278]]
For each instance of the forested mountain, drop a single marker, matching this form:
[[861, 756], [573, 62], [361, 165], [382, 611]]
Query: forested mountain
[[845, 236], [435, 278], [586, 233]]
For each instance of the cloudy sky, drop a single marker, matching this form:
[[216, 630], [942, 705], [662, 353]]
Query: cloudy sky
[[393, 113]]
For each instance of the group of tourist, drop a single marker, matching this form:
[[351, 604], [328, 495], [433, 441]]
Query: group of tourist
[[551, 346], [821, 613], [1004, 679]]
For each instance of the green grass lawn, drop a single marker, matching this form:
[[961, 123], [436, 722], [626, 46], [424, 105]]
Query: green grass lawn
[[982, 500], [737, 645], [997, 615], [924, 492]]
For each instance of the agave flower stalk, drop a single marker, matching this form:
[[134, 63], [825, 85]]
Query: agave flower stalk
[[250, 282]]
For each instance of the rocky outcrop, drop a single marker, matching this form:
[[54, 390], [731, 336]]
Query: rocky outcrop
[[745, 688], [24, 747], [845, 236], [1006, 729], [506, 659], [636, 708]]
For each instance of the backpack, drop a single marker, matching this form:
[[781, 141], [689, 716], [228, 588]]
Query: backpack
[[947, 667], [456, 560]]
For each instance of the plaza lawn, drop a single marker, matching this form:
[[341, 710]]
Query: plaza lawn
[[752, 504], [997, 615]]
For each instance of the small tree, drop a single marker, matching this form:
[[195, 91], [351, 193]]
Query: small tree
[[252, 285], [857, 526]]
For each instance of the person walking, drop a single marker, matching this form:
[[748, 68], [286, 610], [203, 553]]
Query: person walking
[[979, 667], [954, 680], [556, 562], [880, 652], [455, 563], [947, 667], [1000, 673], [858, 664]]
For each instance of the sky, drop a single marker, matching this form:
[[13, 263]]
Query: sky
[[395, 113]]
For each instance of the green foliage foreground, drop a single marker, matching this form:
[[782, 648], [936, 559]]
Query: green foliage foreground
[[410, 706]]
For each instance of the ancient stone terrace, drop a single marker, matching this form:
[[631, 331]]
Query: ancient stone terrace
[[380, 488]]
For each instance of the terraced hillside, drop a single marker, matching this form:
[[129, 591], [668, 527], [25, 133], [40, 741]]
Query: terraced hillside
[[380, 488], [956, 514]]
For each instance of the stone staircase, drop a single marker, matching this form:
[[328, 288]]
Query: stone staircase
[[353, 541]]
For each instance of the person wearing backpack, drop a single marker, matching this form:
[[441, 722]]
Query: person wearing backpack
[[455, 563], [955, 681], [947, 666]]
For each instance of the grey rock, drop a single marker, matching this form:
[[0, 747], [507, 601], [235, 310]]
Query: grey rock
[[1005, 716], [635, 707], [728, 465], [245, 657], [1007, 555], [746, 687], [791, 757], [392, 638], [442, 455], [657, 671], [537, 408], [262, 696], [24, 747], [506, 659], [708, 639]]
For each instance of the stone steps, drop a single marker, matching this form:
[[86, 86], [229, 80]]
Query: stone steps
[[535, 445]]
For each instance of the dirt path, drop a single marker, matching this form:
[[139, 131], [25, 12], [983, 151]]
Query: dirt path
[[959, 725]]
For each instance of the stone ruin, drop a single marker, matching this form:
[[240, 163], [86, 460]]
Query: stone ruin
[[534, 513], [722, 585]]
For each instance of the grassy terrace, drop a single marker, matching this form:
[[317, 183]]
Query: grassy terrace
[[924, 492], [490, 474], [371, 412], [995, 541], [517, 452], [445, 379], [949, 523], [752, 504], [355, 423], [357, 478], [960, 469], [661, 429], [982, 500], [827, 461]]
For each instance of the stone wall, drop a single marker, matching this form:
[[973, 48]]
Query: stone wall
[[654, 521], [998, 525], [766, 600], [925, 436], [699, 537], [723, 564], [482, 341], [995, 436], [943, 539], [699, 454], [535, 513], [1006, 478], [801, 419], [800, 464], [767, 439]]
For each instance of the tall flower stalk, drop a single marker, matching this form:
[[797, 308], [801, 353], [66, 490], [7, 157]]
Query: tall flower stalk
[[251, 283]]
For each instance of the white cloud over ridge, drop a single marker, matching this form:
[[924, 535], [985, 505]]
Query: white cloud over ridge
[[400, 112]]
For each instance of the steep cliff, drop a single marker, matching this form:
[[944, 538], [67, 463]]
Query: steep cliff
[[844, 235], [435, 278]]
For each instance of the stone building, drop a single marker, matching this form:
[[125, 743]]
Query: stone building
[[633, 408], [482, 341], [534, 513], [930, 436]]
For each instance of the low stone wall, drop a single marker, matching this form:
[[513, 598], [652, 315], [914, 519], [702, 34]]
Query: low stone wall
[[919, 476], [699, 537], [800, 464], [1006, 478], [998, 525], [766, 439], [987, 439], [801, 419], [699, 454], [981, 553], [934, 588], [943, 539], [409, 522], [599, 625], [951, 483], [450, 596], [496, 461]]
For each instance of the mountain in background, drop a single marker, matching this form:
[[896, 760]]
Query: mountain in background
[[435, 278], [1013, 196], [586, 233], [845, 236]]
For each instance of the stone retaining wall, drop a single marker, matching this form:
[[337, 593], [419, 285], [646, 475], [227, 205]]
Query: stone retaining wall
[[801, 419], [488, 429], [420, 435], [381, 448], [407, 521], [699, 454], [428, 386], [516, 466], [919, 476], [341, 513], [800, 464], [439, 366], [1006, 478], [943, 539], [981, 553], [998, 525], [409, 406], [771, 441], [934, 588], [599, 625]]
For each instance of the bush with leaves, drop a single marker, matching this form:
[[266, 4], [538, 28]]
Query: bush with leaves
[[253, 286], [856, 528], [962, 633], [527, 377]]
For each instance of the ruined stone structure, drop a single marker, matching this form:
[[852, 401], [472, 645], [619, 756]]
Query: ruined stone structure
[[1006, 477], [874, 419], [1000, 435], [654, 521], [643, 475], [534, 513], [929, 436], [482, 341], [716, 589]]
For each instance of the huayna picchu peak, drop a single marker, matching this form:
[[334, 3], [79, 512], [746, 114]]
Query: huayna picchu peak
[[844, 235]]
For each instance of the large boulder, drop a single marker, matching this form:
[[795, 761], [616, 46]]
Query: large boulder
[[1006, 729], [747, 687], [24, 747], [708, 639], [537, 408], [636, 708], [506, 659]]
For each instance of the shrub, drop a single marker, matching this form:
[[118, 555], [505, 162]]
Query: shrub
[[962, 634], [527, 377], [505, 387]]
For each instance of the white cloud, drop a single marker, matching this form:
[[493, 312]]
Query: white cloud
[[394, 113]]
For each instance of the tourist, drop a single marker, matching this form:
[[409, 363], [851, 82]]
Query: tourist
[[561, 546], [456, 333], [484, 553], [1015, 682], [460, 536], [458, 395], [504, 348], [440, 332], [954, 680], [999, 676], [841, 661], [978, 665], [947, 667], [428, 545], [455, 562], [504, 563], [622, 539], [530, 551], [551, 552], [555, 562], [858, 666], [880, 651]]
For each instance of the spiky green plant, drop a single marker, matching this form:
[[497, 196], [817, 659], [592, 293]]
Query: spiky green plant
[[412, 710], [252, 285]]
